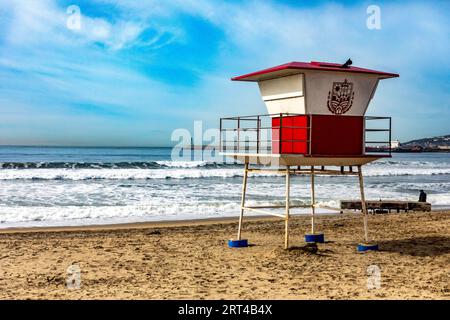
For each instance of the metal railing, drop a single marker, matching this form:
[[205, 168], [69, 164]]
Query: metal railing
[[382, 147], [258, 134]]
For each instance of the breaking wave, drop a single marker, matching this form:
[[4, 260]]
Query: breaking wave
[[177, 171], [112, 165]]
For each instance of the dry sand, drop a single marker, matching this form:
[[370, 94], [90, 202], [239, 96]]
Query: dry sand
[[191, 260]]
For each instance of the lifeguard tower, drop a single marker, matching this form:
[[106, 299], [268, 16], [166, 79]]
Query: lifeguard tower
[[315, 125]]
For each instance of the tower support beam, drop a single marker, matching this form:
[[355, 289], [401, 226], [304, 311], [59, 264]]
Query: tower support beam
[[313, 202], [244, 191], [286, 221], [363, 205]]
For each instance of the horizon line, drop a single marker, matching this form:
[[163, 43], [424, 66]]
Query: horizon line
[[81, 146]]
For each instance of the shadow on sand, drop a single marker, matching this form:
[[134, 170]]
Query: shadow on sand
[[422, 247], [310, 249]]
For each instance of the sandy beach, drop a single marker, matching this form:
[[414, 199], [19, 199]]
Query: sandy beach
[[191, 260]]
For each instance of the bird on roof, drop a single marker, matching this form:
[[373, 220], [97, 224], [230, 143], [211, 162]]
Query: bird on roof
[[347, 64]]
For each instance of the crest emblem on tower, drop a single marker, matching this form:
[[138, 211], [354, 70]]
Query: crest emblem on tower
[[340, 98]]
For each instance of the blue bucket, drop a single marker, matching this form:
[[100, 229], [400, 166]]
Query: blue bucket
[[238, 243], [314, 238]]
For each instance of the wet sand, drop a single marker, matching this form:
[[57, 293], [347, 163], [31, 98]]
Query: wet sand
[[191, 260]]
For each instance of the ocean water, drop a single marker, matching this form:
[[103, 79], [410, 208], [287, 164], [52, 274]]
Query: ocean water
[[48, 186]]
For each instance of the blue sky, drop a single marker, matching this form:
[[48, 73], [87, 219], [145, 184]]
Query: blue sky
[[137, 70]]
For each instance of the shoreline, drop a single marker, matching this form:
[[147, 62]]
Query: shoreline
[[175, 222], [138, 225]]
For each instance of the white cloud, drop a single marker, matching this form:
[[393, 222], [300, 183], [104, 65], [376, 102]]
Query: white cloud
[[44, 22], [114, 36]]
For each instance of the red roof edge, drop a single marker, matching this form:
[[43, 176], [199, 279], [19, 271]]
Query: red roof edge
[[314, 65]]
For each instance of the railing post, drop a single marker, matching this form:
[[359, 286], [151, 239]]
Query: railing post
[[280, 133], [364, 136], [257, 134], [390, 136], [238, 132], [309, 125], [220, 132]]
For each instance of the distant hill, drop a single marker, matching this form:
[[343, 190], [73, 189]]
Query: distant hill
[[441, 142]]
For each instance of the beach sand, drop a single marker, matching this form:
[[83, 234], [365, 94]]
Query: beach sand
[[191, 260]]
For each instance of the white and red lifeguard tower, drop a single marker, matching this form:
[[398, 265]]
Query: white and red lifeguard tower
[[315, 125]]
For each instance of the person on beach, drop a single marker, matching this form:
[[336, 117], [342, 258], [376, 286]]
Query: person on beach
[[422, 196]]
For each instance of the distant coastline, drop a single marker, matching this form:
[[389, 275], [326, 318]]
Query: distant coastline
[[406, 150], [434, 144]]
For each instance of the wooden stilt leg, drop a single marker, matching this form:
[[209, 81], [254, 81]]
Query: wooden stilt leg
[[286, 221], [363, 204], [244, 190], [313, 202]]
